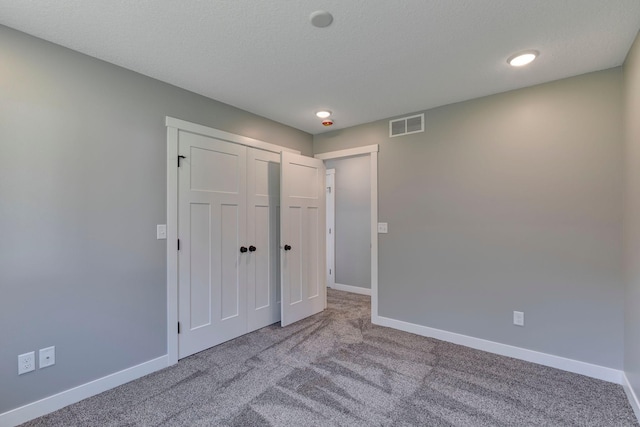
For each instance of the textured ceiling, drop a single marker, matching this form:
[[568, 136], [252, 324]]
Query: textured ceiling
[[378, 59]]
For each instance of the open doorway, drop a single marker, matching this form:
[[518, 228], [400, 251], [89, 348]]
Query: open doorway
[[348, 234], [368, 154]]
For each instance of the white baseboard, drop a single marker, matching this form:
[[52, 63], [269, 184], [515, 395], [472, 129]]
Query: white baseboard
[[570, 365], [352, 289], [631, 396], [50, 404]]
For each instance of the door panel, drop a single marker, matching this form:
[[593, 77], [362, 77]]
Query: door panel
[[229, 247], [213, 170], [276, 250], [211, 227], [312, 245], [302, 228], [200, 245], [263, 197], [303, 186], [295, 256], [261, 240]]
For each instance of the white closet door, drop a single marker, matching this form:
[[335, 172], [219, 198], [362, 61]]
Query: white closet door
[[302, 229], [263, 234], [212, 293]]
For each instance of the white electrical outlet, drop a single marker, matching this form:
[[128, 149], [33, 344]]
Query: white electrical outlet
[[518, 318], [161, 231], [47, 357], [26, 362], [383, 227]]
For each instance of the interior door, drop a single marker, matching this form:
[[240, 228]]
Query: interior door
[[212, 210], [302, 237], [263, 235]]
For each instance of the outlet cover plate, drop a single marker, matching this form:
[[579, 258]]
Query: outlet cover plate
[[26, 362], [383, 227], [47, 357]]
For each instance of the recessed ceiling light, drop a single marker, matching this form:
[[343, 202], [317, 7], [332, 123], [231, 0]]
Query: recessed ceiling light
[[323, 114], [321, 18], [522, 58]]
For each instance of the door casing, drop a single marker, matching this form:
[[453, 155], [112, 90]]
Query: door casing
[[372, 151], [330, 229]]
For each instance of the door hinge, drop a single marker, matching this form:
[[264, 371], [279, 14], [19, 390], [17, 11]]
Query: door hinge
[[178, 244], [178, 327], [180, 157]]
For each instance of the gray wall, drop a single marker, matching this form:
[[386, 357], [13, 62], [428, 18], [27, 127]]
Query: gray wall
[[632, 217], [82, 186], [353, 220], [508, 202]]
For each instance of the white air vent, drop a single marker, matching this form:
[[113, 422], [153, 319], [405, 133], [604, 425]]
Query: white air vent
[[406, 125]]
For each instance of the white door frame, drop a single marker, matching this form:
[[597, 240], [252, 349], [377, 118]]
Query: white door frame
[[372, 151], [174, 126], [331, 226]]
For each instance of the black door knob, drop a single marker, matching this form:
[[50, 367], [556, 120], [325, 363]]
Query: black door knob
[[287, 247], [243, 249], [252, 248]]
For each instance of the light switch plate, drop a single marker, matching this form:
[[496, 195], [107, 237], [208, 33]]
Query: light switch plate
[[383, 227], [518, 318], [47, 357], [161, 231]]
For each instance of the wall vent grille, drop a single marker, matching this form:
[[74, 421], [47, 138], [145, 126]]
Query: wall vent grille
[[406, 125]]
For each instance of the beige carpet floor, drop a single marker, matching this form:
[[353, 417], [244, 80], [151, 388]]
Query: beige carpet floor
[[337, 369]]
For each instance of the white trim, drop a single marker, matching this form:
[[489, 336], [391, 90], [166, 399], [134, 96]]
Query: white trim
[[570, 365], [631, 395], [372, 150], [172, 245], [352, 289], [49, 404], [374, 233], [225, 136], [330, 183], [348, 152]]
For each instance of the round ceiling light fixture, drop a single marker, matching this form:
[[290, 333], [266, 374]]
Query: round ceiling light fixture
[[323, 114], [321, 18], [522, 58]]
